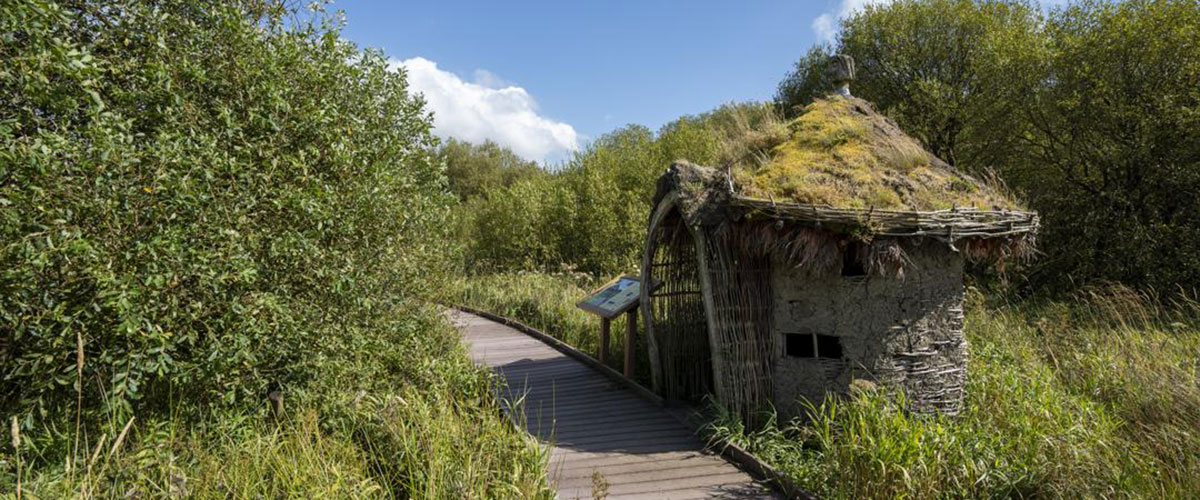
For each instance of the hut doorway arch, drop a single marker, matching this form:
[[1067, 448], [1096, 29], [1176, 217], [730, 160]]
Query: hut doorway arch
[[674, 309]]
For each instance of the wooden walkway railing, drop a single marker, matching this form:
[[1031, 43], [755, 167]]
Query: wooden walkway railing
[[601, 431]]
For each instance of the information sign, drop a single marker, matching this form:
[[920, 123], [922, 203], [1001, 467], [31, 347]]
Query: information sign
[[614, 298]]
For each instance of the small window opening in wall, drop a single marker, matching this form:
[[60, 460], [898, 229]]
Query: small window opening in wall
[[829, 346], [809, 345], [800, 345], [852, 264]]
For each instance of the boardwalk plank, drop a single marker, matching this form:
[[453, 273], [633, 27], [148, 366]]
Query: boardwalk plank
[[595, 425]]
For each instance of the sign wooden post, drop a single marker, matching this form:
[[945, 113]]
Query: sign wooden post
[[619, 296], [605, 326], [630, 341]]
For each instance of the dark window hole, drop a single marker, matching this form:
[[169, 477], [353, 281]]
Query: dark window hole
[[810, 345]]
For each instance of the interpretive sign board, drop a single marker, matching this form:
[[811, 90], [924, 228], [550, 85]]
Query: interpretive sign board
[[614, 298]]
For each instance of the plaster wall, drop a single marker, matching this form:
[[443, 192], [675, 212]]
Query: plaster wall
[[902, 332]]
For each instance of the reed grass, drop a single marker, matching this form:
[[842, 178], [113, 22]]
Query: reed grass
[[404, 414], [1095, 397], [546, 301]]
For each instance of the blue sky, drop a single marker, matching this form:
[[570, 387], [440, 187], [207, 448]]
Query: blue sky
[[546, 77]]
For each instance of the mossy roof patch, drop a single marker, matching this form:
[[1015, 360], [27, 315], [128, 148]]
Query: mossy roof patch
[[842, 153]]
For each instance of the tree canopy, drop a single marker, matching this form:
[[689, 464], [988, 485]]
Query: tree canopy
[[1088, 112], [199, 198], [477, 169]]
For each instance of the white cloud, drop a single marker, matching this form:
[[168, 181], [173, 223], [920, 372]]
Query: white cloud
[[490, 80], [826, 25], [488, 108]]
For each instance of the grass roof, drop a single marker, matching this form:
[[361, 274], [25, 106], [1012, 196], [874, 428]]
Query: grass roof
[[842, 153]]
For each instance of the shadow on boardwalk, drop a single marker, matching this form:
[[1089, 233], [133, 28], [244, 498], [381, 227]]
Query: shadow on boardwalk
[[595, 425]]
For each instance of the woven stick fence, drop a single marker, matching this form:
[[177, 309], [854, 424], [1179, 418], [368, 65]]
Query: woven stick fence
[[738, 287], [677, 311], [947, 225]]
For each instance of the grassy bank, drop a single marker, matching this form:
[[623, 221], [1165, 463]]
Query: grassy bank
[[1096, 397], [205, 205], [547, 302], [401, 414]]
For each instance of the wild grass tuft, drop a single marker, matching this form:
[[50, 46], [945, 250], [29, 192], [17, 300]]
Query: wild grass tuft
[[1089, 399], [1092, 398], [398, 414], [547, 302], [842, 153]]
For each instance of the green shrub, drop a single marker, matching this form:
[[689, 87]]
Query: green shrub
[[1087, 111], [400, 414], [475, 170], [198, 200], [591, 215], [204, 202]]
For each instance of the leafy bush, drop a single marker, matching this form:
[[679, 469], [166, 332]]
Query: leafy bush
[[197, 200], [591, 215], [478, 169], [1087, 112], [201, 203]]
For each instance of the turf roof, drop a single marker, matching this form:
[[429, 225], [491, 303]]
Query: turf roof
[[842, 153]]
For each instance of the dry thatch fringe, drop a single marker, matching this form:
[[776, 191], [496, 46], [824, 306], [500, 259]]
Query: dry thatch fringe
[[805, 248], [983, 236], [815, 251], [884, 257], [1001, 250], [820, 252]]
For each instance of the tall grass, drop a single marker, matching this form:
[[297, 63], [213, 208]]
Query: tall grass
[[1097, 397], [547, 302], [367, 429], [543, 301], [1094, 398]]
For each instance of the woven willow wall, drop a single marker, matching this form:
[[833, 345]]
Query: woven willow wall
[[740, 323], [677, 309]]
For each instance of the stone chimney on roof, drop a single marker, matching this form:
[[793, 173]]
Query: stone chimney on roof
[[840, 70]]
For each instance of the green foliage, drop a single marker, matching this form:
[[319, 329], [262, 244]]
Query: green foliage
[[1114, 145], [404, 415], [477, 169], [1089, 114], [591, 214], [201, 203], [808, 80], [198, 198], [949, 71], [1086, 400]]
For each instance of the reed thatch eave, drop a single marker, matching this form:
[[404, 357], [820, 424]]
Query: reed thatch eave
[[705, 197]]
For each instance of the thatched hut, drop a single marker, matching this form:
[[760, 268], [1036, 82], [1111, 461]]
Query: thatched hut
[[837, 256]]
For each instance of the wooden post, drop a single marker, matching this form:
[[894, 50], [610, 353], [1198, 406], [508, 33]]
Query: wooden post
[[715, 346], [630, 340], [605, 324]]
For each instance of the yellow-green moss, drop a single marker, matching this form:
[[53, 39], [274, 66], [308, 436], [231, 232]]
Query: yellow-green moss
[[842, 153]]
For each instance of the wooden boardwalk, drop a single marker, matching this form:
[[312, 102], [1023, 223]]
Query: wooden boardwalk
[[597, 425]]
